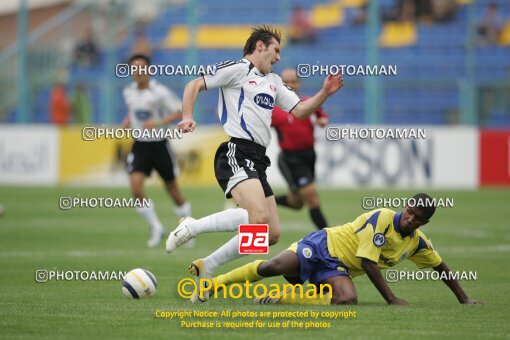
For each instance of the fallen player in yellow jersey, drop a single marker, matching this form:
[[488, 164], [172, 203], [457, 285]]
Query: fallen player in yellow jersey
[[376, 240]]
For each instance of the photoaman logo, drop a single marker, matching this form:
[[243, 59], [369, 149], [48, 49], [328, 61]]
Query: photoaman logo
[[253, 239], [188, 287]]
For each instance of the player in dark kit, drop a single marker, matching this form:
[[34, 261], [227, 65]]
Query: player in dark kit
[[297, 159]]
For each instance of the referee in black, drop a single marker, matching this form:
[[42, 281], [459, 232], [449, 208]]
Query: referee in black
[[296, 160]]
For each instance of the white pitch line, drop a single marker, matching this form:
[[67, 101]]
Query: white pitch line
[[500, 248], [86, 253], [78, 253], [467, 233], [298, 226]]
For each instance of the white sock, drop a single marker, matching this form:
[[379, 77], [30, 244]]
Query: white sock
[[227, 220], [149, 214], [183, 210], [226, 253]]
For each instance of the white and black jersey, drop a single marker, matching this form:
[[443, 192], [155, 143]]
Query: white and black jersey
[[247, 98], [154, 102]]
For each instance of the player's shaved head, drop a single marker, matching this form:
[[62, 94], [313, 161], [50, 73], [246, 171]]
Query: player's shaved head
[[290, 77], [424, 203], [420, 208]]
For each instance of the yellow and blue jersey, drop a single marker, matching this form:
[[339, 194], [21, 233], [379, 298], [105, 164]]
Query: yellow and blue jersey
[[376, 236]]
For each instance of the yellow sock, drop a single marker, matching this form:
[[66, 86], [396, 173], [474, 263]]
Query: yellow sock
[[248, 272], [302, 299]]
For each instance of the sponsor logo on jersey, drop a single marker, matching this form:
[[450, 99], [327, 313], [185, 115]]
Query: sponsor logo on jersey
[[264, 100], [142, 114], [379, 240]]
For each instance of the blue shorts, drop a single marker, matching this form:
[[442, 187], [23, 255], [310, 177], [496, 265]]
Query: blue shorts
[[316, 264]]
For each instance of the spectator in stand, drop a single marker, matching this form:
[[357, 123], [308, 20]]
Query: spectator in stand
[[490, 25], [300, 27], [410, 11], [423, 10], [59, 105], [403, 10], [86, 52], [82, 105], [360, 18], [444, 11]]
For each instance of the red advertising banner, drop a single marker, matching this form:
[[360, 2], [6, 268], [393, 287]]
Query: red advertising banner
[[495, 157]]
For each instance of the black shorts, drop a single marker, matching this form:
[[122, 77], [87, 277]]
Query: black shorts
[[297, 167], [238, 160], [159, 155]]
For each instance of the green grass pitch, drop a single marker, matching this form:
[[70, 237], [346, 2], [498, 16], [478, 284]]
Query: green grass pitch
[[35, 234]]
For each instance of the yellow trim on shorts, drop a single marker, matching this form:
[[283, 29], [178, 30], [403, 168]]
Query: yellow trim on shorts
[[293, 247]]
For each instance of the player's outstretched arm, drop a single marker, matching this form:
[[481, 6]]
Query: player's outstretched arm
[[188, 103], [332, 84], [374, 273], [455, 286]]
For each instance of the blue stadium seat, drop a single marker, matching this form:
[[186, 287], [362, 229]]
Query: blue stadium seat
[[431, 67]]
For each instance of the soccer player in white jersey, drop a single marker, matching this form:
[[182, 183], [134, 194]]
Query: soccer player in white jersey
[[152, 106], [248, 91]]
